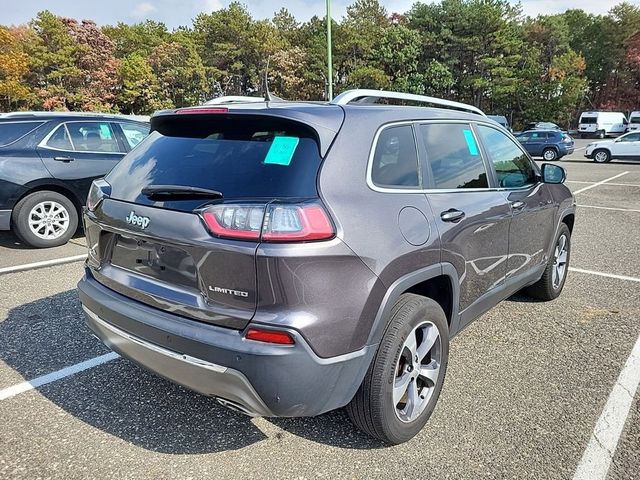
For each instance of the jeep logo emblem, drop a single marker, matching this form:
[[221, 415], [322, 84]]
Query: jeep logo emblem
[[133, 219]]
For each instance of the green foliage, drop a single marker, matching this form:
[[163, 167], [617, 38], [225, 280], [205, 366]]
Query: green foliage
[[482, 52]]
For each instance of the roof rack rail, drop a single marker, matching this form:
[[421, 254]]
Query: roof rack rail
[[367, 95], [234, 99]]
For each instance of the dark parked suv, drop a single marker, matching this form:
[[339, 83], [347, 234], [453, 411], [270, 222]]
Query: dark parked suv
[[47, 163], [291, 259], [549, 144]]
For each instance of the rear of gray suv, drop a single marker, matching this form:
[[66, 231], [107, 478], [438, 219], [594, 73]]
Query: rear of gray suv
[[290, 259]]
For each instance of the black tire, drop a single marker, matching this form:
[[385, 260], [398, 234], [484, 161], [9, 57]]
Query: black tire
[[601, 134], [372, 408], [23, 210], [602, 155], [551, 153], [545, 289]]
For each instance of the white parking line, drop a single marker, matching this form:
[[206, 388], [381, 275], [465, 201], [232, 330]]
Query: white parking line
[[610, 208], [602, 274], [602, 445], [45, 263], [600, 183], [608, 183], [57, 375]]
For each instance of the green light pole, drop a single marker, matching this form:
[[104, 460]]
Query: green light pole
[[329, 59]]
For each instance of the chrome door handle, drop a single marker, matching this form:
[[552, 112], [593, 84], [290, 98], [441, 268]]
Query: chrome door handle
[[518, 205], [63, 159], [452, 215]]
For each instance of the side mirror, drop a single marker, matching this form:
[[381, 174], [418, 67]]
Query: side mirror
[[553, 173]]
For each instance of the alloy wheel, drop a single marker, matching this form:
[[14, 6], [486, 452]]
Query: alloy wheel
[[549, 155], [48, 220], [417, 371], [560, 261], [601, 156]]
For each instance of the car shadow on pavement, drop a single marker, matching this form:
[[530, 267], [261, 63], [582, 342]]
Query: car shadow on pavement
[[126, 401], [9, 240]]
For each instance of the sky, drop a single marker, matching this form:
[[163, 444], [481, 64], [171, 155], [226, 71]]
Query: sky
[[180, 12]]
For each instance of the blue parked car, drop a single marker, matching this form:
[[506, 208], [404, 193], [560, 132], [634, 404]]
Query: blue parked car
[[548, 144]]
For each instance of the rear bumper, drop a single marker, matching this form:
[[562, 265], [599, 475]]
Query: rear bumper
[[259, 378], [5, 219]]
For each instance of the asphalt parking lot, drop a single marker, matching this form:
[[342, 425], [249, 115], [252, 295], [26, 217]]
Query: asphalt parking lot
[[526, 386]]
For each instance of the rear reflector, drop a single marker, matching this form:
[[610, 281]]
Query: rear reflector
[[203, 110], [269, 336]]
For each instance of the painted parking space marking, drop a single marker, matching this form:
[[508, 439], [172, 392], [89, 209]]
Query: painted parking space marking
[[44, 263], [57, 375], [602, 445], [610, 208], [603, 274], [602, 182], [608, 183]]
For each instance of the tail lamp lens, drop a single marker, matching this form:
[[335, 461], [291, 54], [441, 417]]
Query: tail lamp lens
[[269, 336], [98, 191], [235, 221], [272, 223]]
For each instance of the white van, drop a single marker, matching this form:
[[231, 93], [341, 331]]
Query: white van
[[634, 121], [601, 124]]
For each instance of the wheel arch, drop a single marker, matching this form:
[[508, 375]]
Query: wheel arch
[[439, 282], [50, 184]]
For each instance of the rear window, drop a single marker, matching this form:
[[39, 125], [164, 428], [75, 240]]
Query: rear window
[[589, 120], [13, 131], [240, 157], [634, 120]]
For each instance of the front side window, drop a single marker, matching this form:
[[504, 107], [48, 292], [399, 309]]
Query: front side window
[[454, 156], [93, 137], [632, 137], [134, 133], [512, 166], [395, 160]]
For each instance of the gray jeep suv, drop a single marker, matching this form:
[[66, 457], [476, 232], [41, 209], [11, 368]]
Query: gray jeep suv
[[293, 258]]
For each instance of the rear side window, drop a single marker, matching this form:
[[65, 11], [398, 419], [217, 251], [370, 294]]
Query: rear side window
[[454, 156], [60, 139], [512, 166], [13, 131], [395, 160], [134, 133], [239, 156], [589, 120]]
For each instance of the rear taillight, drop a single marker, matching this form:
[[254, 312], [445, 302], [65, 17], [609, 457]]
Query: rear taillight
[[269, 223], [99, 190], [269, 336], [243, 222]]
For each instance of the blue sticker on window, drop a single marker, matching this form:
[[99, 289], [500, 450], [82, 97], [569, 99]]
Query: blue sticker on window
[[281, 151], [471, 142]]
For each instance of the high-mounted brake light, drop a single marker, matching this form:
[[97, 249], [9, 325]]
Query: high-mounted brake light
[[269, 336], [279, 223], [202, 110]]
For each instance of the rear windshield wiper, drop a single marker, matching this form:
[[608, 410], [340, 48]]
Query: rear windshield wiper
[[183, 191]]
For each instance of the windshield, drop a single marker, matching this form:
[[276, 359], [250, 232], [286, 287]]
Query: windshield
[[589, 120], [238, 157]]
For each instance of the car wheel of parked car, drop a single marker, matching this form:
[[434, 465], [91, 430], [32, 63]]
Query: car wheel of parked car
[[602, 156], [601, 134], [45, 219], [403, 383], [549, 154], [552, 281]]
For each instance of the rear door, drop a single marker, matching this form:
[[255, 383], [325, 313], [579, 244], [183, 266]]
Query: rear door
[[627, 146], [536, 143], [472, 219], [533, 222], [77, 152]]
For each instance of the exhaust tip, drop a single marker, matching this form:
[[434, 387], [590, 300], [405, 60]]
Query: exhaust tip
[[236, 407]]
